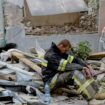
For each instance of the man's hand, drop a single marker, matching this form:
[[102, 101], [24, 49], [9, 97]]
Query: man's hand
[[88, 71]]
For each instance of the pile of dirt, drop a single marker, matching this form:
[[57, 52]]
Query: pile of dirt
[[87, 24]]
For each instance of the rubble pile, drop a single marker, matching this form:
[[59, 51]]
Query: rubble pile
[[88, 23], [48, 30], [21, 81], [65, 29]]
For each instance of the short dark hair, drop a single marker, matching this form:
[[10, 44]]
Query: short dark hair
[[65, 43]]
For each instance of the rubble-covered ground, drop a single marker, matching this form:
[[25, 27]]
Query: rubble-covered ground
[[18, 83], [20, 77]]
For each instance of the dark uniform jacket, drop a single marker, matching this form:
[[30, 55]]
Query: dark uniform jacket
[[53, 56]]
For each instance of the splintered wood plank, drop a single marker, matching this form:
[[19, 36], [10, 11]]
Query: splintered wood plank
[[26, 61], [98, 55], [16, 69], [8, 77]]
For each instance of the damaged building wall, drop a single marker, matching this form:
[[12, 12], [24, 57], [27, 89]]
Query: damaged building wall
[[59, 15], [13, 14], [2, 33], [102, 16], [15, 32], [52, 19], [87, 23], [19, 3], [93, 7], [17, 35]]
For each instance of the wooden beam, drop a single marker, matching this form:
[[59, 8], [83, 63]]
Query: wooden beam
[[96, 56], [26, 61], [16, 69]]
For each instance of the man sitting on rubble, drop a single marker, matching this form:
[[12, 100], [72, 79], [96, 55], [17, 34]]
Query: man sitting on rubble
[[62, 64]]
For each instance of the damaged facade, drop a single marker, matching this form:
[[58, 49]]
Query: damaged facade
[[73, 22]]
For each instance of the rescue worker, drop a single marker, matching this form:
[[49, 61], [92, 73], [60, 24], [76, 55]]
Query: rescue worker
[[62, 64]]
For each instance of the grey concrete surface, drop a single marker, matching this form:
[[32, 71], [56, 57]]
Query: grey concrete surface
[[101, 16], [17, 35]]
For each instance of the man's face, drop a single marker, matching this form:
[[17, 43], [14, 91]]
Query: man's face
[[64, 49]]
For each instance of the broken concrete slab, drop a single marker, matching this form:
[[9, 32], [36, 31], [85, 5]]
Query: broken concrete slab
[[71, 102], [97, 102], [31, 100], [16, 69], [26, 61]]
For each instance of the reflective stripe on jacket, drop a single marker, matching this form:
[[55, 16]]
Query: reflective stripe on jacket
[[57, 62]]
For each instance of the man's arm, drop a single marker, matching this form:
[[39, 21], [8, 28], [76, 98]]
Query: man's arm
[[87, 67], [53, 62], [61, 64], [80, 61]]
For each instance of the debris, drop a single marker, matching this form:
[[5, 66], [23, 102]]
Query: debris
[[69, 102], [22, 86], [95, 62], [97, 102], [100, 96], [26, 61], [16, 97], [97, 56], [16, 69], [8, 54], [23, 77], [10, 77], [28, 84], [102, 68], [31, 100]]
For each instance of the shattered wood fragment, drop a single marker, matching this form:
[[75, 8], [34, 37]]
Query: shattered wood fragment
[[8, 77], [26, 61]]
